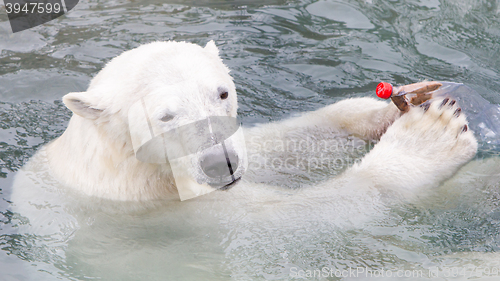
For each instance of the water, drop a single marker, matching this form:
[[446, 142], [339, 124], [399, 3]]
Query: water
[[286, 57]]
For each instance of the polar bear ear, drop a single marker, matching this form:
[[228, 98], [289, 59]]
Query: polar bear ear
[[212, 48], [82, 104]]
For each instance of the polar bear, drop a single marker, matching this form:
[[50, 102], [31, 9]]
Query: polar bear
[[95, 156], [93, 165]]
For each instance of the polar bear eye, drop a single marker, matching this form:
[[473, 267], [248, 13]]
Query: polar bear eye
[[167, 117], [224, 95]]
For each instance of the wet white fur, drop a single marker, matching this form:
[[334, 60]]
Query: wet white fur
[[95, 157]]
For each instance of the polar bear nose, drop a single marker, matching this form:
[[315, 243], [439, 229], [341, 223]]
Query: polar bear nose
[[219, 162]]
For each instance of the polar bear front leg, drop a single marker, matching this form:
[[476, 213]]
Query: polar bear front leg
[[366, 118], [424, 147]]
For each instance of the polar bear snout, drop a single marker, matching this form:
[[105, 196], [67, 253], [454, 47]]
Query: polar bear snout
[[219, 163]]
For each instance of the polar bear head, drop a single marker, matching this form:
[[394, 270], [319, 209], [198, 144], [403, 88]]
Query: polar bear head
[[182, 83]]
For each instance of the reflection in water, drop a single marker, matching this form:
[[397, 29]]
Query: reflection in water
[[286, 57]]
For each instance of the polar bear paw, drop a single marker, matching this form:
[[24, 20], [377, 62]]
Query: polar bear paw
[[424, 147]]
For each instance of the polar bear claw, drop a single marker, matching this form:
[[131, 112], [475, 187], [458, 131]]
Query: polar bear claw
[[423, 147]]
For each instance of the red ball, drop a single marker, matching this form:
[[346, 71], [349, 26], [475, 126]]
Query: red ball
[[384, 90]]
